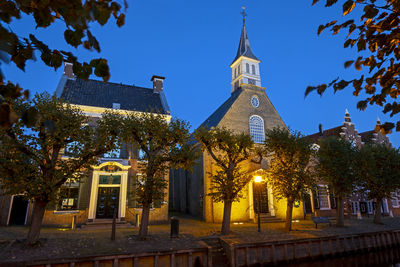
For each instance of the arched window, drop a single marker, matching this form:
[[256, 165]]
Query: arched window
[[253, 69], [257, 129], [247, 68]]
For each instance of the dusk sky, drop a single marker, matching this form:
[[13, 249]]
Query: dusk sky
[[192, 44]]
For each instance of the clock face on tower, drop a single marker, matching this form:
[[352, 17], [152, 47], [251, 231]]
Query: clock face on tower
[[254, 101]]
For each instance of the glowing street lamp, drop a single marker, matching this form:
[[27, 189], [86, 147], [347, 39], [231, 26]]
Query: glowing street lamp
[[257, 181]]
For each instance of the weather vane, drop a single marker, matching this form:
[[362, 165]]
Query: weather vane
[[243, 13]]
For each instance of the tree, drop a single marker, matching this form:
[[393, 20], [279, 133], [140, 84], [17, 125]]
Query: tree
[[378, 167], [375, 34], [335, 165], [31, 162], [229, 152], [165, 144], [77, 15], [288, 171]]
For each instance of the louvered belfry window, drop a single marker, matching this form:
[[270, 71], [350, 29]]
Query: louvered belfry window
[[257, 129]]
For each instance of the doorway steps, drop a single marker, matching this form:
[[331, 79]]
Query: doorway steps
[[267, 218], [219, 257], [105, 224]]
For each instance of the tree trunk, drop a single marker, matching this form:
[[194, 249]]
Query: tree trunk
[[144, 223], [37, 218], [289, 209], [226, 221], [340, 212], [378, 214]]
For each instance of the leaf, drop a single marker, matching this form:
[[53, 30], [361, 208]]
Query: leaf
[[362, 105], [340, 85], [348, 63], [309, 89], [370, 12], [320, 29], [361, 44], [330, 2], [121, 20], [314, 2], [348, 6]]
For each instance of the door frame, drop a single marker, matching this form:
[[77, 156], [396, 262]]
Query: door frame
[[95, 188]]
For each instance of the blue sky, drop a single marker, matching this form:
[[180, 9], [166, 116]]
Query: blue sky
[[192, 43]]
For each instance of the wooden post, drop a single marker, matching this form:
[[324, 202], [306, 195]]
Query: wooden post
[[190, 259], [172, 260], [285, 252], [73, 224], [309, 249], [320, 248], [294, 250], [246, 251], [113, 225], [156, 261], [330, 246], [273, 253]]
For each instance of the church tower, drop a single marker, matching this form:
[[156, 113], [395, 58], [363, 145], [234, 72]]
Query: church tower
[[245, 66]]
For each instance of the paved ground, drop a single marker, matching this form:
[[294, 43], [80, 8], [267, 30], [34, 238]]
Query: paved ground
[[78, 243]]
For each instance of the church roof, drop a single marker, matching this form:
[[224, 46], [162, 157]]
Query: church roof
[[244, 46], [104, 94], [214, 119]]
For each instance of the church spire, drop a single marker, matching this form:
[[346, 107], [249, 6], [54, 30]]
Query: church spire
[[244, 43], [245, 66]]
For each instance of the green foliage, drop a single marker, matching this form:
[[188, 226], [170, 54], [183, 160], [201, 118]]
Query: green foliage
[[76, 15], [31, 162], [289, 155], [229, 152], [336, 164], [375, 35], [164, 144], [378, 167]]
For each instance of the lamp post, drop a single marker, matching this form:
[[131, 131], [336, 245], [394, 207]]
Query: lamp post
[[257, 183]]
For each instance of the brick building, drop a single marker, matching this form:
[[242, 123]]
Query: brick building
[[322, 201], [248, 110], [110, 184]]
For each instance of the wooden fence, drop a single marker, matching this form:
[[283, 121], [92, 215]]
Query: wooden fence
[[247, 254], [185, 258]]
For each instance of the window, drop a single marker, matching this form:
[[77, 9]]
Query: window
[[247, 68], [251, 81], [370, 207], [395, 199], [253, 69], [68, 196], [255, 102], [257, 129], [355, 207], [323, 195], [239, 70]]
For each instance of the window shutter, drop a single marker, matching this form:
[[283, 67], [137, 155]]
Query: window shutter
[[332, 199], [315, 198]]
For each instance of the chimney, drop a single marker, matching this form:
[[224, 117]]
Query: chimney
[[158, 82], [321, 132], [68, 70]]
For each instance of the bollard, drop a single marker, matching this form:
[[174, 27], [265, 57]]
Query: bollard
[[174, 227], [73, 224], [137, 223]]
